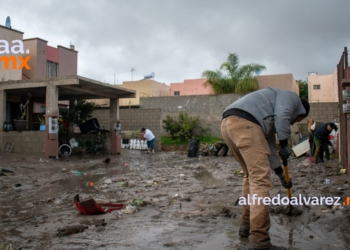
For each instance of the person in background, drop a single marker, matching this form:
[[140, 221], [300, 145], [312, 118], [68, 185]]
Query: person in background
[[321, 140], [312, 126], [149, 136]]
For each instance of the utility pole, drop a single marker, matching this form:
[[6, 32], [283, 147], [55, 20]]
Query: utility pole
[[114, 79], [132, 70]]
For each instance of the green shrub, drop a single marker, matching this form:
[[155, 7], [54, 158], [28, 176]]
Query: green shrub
[[183, 127]]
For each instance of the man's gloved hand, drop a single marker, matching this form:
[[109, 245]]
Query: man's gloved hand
[[280, 174], [285, 152], [285, 184]]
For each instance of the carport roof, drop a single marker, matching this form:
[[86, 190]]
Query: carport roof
[[69, 88]]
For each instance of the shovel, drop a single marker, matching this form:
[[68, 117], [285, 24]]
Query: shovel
[[289, 192]]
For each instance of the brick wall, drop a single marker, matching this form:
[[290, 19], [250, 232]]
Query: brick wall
[[28, 142]]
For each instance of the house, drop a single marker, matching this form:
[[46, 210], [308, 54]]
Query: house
[[323, 88], [190, 87], [143, 88], [30, 69]]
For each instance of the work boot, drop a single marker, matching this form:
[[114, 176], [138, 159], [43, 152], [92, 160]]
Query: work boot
[[271, 248], [243, 233]]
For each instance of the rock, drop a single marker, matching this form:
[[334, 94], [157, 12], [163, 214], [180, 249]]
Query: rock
[[108, 181]]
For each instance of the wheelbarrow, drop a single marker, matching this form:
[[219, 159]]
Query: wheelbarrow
[[91, 207]]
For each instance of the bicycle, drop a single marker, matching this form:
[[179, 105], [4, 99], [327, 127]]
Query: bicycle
[[99, 146]]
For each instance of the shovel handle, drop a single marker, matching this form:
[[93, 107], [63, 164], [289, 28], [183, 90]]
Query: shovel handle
[[286, 175]]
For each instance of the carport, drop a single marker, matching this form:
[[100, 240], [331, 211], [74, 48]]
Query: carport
[[51, 91]]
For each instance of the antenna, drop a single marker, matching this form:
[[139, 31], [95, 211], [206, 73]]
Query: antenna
[[132, 70], [8, 22]]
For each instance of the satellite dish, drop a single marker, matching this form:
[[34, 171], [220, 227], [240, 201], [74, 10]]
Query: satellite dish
[[150, 76], [8, 22]]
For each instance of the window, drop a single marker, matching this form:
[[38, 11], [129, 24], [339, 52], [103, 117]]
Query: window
[[317, 86], [51, 69], [176, 92]]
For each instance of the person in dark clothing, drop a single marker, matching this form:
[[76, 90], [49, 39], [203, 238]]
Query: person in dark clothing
[[321, 140], [312, 126]]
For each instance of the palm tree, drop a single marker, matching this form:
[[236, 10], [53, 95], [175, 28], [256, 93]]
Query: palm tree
[[233, 78]]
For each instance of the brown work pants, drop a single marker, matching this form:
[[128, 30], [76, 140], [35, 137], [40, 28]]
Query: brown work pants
[[251, 150]]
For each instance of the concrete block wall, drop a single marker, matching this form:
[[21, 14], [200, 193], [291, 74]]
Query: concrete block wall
[[26, 142], [135, 119], [208, 108]]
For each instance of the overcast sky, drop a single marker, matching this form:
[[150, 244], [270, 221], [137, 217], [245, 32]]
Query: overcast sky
[[179, 39]]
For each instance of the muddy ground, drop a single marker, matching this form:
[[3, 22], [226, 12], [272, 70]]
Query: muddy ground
[[190, 203]]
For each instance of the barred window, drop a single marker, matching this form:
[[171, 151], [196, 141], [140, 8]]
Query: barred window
[[317, 86], [176, 92]]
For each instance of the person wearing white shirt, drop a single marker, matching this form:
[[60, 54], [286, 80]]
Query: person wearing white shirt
[[149, 136]]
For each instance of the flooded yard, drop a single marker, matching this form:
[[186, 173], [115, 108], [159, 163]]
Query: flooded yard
[[188, 203]]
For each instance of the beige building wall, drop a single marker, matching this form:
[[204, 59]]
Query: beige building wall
[[9, 35], [323, 88], [143, 88], [282, 81]]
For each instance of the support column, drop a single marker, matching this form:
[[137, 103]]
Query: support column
[[114, 117], [52, 112]]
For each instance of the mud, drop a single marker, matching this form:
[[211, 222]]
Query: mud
[[189, 203]]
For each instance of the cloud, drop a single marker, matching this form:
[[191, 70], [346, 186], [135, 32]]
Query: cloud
[[180, 39]]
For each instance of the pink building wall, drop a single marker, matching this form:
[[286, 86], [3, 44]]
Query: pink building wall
[[190, 87], [52, 54]]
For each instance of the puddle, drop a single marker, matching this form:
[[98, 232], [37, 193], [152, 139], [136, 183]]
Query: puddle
[[217, 242]]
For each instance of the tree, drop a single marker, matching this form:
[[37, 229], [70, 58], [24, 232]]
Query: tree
[[303, 90], [233, 78]]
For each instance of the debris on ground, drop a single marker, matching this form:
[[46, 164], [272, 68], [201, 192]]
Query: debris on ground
[[68, 230]]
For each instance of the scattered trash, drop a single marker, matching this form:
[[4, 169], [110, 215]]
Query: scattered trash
[[17, 185], [343, 171], [126, 164], [182, 175], [73, 143], [129, 209], [75, 172], [90, 206], [41, 160], [68, 230], [179, 195], [138, 202], [311, 159], [327, 181], [155, 182], [108, 181], [91, 184]]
